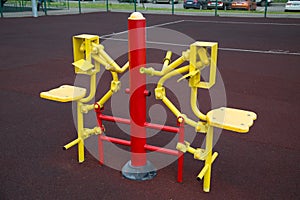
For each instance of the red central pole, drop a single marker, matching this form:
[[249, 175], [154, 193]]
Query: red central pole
[[138, 168], [137, 59]]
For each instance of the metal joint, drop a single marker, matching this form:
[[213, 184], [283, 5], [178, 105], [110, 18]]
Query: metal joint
[[115, 86], [160, 92]]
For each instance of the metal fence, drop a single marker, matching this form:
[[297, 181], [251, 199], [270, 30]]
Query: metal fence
[[24, 7], [15, 8]]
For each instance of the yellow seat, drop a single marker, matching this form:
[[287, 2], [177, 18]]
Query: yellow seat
[[231, 119], [64, 93]]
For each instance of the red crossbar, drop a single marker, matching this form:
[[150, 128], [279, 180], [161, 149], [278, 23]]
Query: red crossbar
[[179, 130]]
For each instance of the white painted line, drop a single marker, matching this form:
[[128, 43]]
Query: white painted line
[[153, 26], [276, 52], [202, 21], [167, 23], [246, 23], [112, 34]]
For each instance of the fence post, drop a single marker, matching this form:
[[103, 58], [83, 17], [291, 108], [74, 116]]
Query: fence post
[[1, 10], [216, 9], [172, 7], [22, 6], [79, 6], [266, 8], [134, 5], [45, 7], [106, 5]]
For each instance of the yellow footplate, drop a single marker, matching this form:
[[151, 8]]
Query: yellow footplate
[[64, 93], [231, 119]]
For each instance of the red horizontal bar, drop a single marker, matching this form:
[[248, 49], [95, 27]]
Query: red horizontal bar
[[147, 146], [115, 140], [161, 150], [148, 125], [162, 127], [114, 119]]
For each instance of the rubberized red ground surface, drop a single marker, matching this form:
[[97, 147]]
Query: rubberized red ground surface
[[36, 55]]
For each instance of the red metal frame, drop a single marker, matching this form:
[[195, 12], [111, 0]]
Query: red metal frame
[[178, 130], [138, 93]]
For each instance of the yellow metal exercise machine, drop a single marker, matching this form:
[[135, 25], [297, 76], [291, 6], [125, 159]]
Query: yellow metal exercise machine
[[200, 55], [89, 55], [86, 48]]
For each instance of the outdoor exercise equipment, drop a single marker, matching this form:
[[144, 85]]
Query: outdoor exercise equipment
[[89, 55]]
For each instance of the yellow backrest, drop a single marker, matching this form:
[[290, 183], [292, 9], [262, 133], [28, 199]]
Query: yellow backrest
[[82, 48], [202, 55]]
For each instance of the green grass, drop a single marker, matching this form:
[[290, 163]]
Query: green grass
[[130, 6], [279, 1]]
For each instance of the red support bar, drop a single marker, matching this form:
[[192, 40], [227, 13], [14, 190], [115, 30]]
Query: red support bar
[[179, 130], [180, 123], [162, 150], [113, 119], [100, 143], [115, 140], [147, 146], [147, 124], [162, 127], [100, 150]]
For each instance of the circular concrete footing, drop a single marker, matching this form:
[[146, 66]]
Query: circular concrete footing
[[140, 173]]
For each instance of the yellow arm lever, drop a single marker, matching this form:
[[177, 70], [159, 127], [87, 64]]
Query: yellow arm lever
[[110, 64], [114, 87], [167, 59], [171, 74], [160, 94], [152, 72], [188, 75], [100, 56], [100, 60]]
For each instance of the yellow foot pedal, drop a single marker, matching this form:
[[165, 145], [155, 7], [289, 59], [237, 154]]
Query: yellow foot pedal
[[231, 119], [64, 93]]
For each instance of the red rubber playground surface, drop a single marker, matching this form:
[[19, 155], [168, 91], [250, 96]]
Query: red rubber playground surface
[[259, 63]]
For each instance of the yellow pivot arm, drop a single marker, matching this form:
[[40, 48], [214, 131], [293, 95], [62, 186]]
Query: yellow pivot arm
[[160, 93], [166, 68], [114, 87], [102, 57]]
